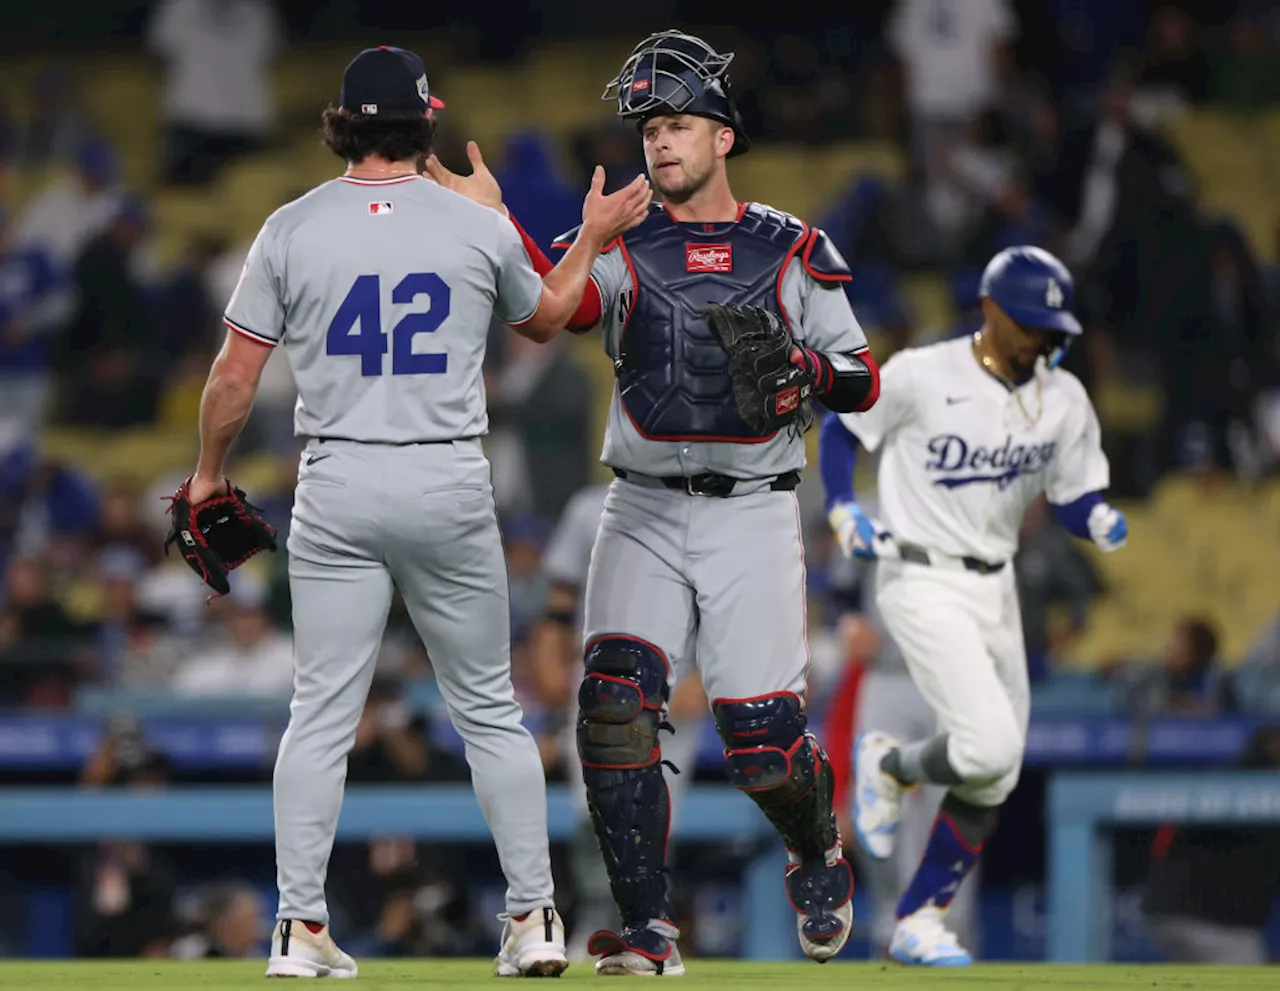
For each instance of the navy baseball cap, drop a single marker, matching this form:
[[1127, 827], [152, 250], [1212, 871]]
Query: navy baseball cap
[[387, 80]]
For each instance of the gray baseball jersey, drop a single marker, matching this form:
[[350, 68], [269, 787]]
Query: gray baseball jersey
[[820, 317], [382, 293]]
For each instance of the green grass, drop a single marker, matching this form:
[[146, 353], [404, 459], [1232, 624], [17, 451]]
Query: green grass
[[703, 974]]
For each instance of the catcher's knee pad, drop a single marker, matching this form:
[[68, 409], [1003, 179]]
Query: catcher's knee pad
[[769, 755], [620, 704], [766, 747]]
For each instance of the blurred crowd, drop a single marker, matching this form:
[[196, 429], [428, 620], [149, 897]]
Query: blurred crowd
[[1016, 130]]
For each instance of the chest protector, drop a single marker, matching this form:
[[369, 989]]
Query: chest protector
[[673, 376]]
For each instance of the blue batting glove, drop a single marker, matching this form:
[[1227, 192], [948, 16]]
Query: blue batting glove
[[854, 530], [1107, 527]]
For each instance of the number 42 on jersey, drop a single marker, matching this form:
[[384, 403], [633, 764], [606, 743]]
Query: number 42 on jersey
[[356, 329]]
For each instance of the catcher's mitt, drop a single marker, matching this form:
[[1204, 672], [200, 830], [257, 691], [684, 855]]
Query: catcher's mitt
[[218, 535], [769, 389]]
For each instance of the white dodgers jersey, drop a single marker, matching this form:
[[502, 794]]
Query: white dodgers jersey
[[382, 294], [964, 455]]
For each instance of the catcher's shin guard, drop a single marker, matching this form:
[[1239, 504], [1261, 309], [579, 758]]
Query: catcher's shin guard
[[770, 756], [620, 712]]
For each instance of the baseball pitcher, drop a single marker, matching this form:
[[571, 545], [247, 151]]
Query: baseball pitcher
[[971, 431], [380, 286]]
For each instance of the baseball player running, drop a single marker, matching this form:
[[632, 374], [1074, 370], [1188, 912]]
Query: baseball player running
[[381, 286], [972, 430], [557, 652], [887, 700], [722, 319]]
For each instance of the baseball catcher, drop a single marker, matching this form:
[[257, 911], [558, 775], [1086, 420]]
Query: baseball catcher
[[217, 535]]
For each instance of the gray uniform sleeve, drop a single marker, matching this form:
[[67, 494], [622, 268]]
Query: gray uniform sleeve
[[257, 307], [519, 286], [612, 278], [821, 317]]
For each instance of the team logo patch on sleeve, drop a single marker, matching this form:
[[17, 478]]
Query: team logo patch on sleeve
[[377, 209], [708, 257]]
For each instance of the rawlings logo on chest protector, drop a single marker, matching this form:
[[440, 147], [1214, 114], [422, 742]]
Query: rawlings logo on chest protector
[[708, 257]]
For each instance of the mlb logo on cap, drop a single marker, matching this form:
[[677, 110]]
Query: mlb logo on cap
[[377, 209]]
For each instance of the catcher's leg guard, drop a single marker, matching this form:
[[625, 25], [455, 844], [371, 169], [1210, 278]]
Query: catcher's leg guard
[[620, 704], [770, 756]]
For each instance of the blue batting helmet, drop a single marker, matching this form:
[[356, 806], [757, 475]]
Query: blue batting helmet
[[675, 73], [1033, 287]]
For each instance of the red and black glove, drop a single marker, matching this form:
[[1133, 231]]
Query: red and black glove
[[218, 535]]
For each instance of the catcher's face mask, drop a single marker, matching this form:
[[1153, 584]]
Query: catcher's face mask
[[675, 73]]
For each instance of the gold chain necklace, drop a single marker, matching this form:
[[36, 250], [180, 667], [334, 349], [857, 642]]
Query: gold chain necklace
[[980, 349]]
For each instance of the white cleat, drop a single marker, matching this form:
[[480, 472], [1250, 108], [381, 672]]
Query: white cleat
[[532, 946], [921, 940], [877, 796], [636, 952], [298, 952], [824, 949], [630, 964]]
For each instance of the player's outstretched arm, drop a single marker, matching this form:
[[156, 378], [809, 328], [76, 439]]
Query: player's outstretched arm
[[224, 408], [603, 219]]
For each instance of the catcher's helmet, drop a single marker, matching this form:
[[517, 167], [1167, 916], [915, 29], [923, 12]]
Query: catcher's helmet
[[675, 73]]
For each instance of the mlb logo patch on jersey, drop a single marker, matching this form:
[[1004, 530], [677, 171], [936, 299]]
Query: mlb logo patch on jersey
[[377, 209], [708, 257]]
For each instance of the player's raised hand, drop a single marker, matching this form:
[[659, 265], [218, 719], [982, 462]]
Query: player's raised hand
[[480, 186], [605, 217]]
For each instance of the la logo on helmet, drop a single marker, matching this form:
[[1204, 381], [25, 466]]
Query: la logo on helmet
[[1053, 295]]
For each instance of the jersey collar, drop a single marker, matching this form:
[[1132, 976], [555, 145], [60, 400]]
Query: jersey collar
[[388, 181]]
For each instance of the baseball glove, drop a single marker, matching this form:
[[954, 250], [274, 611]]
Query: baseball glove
[[219, 535], [768, 388]]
